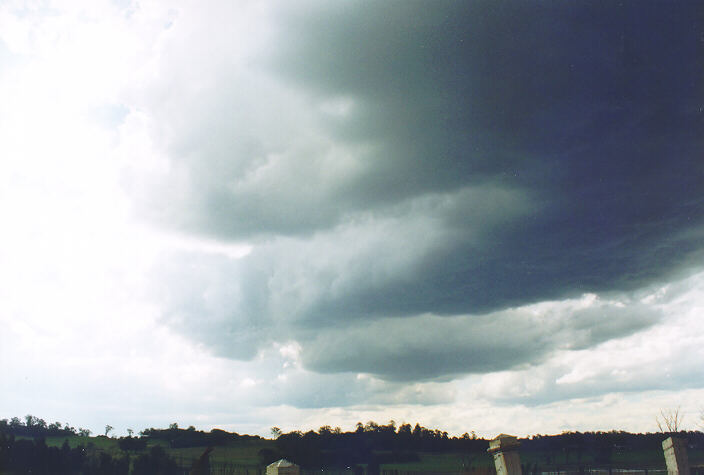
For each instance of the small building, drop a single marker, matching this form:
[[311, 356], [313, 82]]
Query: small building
[[283, 467]]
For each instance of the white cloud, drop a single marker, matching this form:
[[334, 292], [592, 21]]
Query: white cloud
[[663, 357]]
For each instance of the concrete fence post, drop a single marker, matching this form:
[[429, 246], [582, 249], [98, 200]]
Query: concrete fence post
[[504, 449], [675, 450]]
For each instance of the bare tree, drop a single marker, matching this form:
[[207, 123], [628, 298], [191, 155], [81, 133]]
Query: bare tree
[[108, 428], [669, 420]]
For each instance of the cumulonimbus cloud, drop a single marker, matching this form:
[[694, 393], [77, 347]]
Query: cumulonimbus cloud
[[394, 165]]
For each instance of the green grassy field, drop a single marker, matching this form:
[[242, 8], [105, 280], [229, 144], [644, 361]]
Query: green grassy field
[[235, 452], [245, 454], [448, 462]]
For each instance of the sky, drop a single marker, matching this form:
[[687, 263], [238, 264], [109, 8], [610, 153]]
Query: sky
[[480, 216]]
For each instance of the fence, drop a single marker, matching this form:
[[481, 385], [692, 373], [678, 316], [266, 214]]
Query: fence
[[601, 471], [473, 471], [226, 468]]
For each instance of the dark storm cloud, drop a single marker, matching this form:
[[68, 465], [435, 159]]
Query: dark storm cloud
[[393, 159], [596, 109]]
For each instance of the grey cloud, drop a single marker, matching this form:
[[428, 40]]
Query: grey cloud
[[205, 297], [601, 323], [281, 303], [417, 348], [390, 160], [333, 276], [428, 347]]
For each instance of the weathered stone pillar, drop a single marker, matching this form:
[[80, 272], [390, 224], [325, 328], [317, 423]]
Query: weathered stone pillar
[[675, 450], [504, 448]]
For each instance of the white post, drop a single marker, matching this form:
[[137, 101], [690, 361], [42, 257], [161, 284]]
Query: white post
[[504, 448], [676, 456]]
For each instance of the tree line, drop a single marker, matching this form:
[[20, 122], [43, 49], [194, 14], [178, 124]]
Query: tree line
[[181, 438], [34, 456], [373, 444], [23, 448], [36, 427]]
